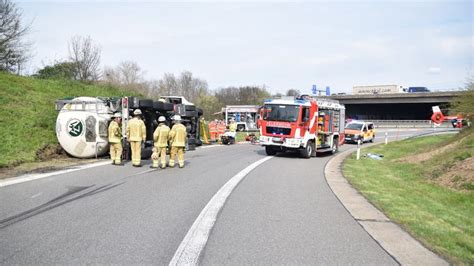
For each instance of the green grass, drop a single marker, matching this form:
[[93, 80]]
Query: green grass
[[240, 136], [28, 116], [441, 218]]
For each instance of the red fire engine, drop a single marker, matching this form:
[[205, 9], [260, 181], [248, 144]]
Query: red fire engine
[[305, 124]]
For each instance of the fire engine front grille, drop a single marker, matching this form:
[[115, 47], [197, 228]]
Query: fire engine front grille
[[279, 130]]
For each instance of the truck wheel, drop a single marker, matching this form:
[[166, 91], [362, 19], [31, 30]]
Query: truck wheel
[[133, 102], [190, 113], [190, 107], [145, 103], [146, 152], [168, 107], [159, 106], [306, 152], [335, 146], [270, 151], [199, 111]]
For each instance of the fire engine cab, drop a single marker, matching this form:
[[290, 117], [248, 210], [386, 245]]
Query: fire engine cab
[[303, 124]]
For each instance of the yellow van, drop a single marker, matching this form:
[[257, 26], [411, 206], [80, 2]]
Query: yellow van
[[359, 130]]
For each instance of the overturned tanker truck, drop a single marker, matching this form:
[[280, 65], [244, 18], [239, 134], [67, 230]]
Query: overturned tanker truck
[[82, 122]]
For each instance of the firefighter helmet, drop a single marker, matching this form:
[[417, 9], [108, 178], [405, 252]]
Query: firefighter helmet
[[137, 112]]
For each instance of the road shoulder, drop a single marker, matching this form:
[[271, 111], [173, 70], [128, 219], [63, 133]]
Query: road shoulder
[[389, 235]]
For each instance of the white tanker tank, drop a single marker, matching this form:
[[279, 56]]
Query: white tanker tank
[[81, 126]]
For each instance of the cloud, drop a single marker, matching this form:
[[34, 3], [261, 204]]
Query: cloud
[[434, 70]]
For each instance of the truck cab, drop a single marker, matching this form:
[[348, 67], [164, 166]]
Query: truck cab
[[305, 124]]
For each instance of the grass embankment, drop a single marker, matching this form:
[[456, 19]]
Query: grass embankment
[[28, 116], [426, 185]]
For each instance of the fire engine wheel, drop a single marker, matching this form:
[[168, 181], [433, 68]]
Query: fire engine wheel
[[335, 146], [270, 151], [308, 151]]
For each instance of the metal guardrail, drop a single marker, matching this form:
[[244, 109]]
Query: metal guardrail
[[409, 124]]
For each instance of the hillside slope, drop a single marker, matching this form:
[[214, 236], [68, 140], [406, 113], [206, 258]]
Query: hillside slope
[[28, 116]]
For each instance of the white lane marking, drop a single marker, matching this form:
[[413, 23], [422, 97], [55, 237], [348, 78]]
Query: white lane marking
[[37, 195], [211, 146], [30, 177], [195, 240]]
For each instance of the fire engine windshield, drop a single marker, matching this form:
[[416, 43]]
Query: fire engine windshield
[[355, 126], [276, 112]]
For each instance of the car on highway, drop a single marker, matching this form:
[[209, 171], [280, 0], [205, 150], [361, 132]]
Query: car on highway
[[359, 130]]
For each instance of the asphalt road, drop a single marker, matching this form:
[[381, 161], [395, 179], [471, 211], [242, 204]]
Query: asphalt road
[[283, 212]]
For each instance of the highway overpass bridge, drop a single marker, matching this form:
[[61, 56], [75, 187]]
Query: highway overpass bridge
[[400, 106]]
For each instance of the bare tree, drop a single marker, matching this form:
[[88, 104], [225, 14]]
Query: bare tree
[[168, 85], [111, 76], [127, 73], [242, 95], [130, 73], [86, 58], [14, 51], [190, 87]]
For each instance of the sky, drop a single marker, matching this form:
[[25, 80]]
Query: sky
[[282, 45]]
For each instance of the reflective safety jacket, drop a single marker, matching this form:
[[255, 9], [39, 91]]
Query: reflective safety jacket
[[177, 135], [233, 127], [160, 136], [136, 130], [115, 132]]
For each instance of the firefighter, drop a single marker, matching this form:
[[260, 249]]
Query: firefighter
[[203, 126], [220, 129], [213, 130], [136, 134], [177, 138], [232, 125], [160, 137], [115, 139]]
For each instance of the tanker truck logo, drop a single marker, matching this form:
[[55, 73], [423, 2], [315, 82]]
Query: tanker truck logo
[[74, 127]]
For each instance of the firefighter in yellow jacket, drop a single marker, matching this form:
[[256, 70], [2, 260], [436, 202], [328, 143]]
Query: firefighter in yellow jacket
[[232, 125], [177, 138], [136, 134], [115, 139], [160, 137]]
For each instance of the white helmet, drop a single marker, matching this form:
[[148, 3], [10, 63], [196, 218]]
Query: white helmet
[[177, 118], [137, 112], [161, 119], [118, 114]]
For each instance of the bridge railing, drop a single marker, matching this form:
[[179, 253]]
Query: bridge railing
[[409, 124]]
